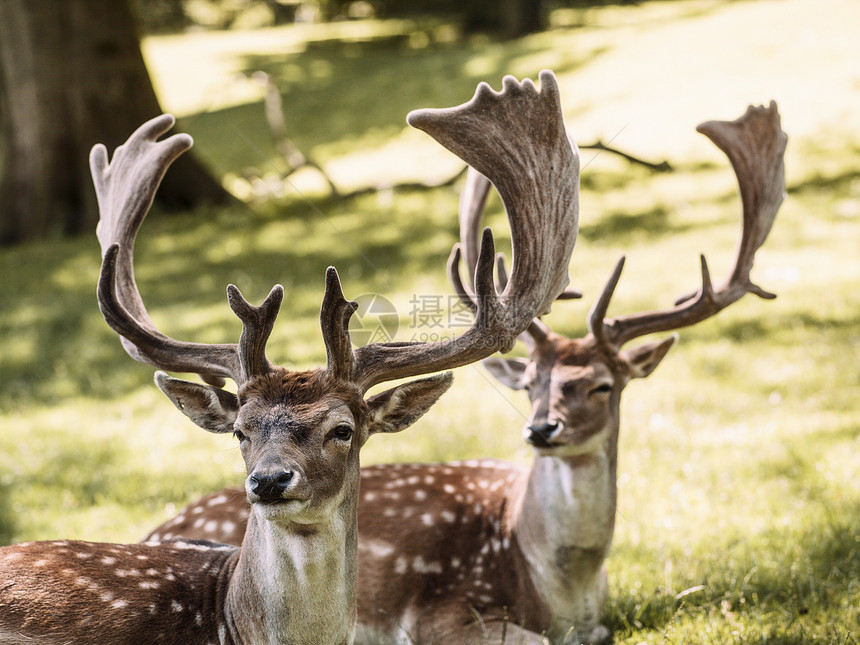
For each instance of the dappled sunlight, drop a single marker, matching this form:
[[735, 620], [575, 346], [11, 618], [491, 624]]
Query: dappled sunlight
[[738, 494]]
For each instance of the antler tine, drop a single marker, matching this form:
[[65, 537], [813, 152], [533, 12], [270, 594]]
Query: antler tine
[[755, 145], [125, 188], [257, 324], [597, 323], [517, 140], [334, 321], [473, 200], [466, 295]]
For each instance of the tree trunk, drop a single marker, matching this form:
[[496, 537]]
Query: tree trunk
[[71, 75], [520, 17], [507, 18]]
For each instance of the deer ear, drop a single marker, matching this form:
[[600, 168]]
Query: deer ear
[[508, 371], [399, 407], [211, 408], [645, 358]]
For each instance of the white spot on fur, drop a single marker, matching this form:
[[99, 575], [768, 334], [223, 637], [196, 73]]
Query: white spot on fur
[[400, 565], [377, 548], [420, 566]]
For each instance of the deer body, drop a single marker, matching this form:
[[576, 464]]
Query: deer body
[[292, 579], [523, 548], [208, 593], [489, 552]]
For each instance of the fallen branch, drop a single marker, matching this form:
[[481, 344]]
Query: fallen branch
[[296, 159]]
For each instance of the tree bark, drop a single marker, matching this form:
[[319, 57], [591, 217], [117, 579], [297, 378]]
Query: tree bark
[[71, 75]]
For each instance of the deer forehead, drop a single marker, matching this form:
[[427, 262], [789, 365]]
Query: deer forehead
[[585, 374], [300, 421]]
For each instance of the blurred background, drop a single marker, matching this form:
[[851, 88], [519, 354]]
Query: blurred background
[[739, 495]]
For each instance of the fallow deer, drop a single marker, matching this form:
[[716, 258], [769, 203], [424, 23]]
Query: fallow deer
[[486, 551], [292, 580]]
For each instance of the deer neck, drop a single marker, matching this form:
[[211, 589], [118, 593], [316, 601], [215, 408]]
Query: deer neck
[[564, 524], [295, 584]]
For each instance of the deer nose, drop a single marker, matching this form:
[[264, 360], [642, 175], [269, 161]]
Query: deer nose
[[539, 435], [270, 486]]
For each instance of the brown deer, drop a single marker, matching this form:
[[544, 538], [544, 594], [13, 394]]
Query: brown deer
[[292, 580], [486, 551]]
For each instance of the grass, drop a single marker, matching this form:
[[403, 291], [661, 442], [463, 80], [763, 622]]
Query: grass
[[739, 500]]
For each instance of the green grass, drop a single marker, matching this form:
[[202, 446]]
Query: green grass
[[739, 497]]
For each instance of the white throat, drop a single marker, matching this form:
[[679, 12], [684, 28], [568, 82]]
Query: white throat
[[295, 587], [565, 529]]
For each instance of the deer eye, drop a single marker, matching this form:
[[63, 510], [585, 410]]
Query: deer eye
[[603, 388], [239, 435], [342, 432]]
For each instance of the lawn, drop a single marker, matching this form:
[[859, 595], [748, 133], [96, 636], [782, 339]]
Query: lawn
[[739, 494]]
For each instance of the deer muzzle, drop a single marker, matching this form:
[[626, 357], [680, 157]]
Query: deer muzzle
[[540, 435], [272, 482]]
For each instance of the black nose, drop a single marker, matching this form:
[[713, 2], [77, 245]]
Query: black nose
[[540, 434], [270, 487]]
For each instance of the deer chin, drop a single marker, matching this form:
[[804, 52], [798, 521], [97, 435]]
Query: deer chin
[[289, 509]]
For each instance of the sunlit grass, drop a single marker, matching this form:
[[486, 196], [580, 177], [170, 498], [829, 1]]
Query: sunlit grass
[[738, 491]]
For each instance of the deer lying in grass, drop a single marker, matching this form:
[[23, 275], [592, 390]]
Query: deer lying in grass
[[485, 551], [292, 580]]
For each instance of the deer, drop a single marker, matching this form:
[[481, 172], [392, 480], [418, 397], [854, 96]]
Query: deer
[[292, 579], [492, 552]]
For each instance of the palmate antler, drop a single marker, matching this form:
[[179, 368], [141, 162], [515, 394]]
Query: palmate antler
[[755, 145], [515, 137], [473, 200]]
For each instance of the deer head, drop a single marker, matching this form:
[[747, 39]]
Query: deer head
[[575, 385]]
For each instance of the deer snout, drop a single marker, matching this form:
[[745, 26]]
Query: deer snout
[[541, 434], [271, 486], [272, 482]]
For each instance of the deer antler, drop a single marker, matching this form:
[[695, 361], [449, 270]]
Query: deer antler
[[755, 145], [517, 139], [473, 199], [125, 189]]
